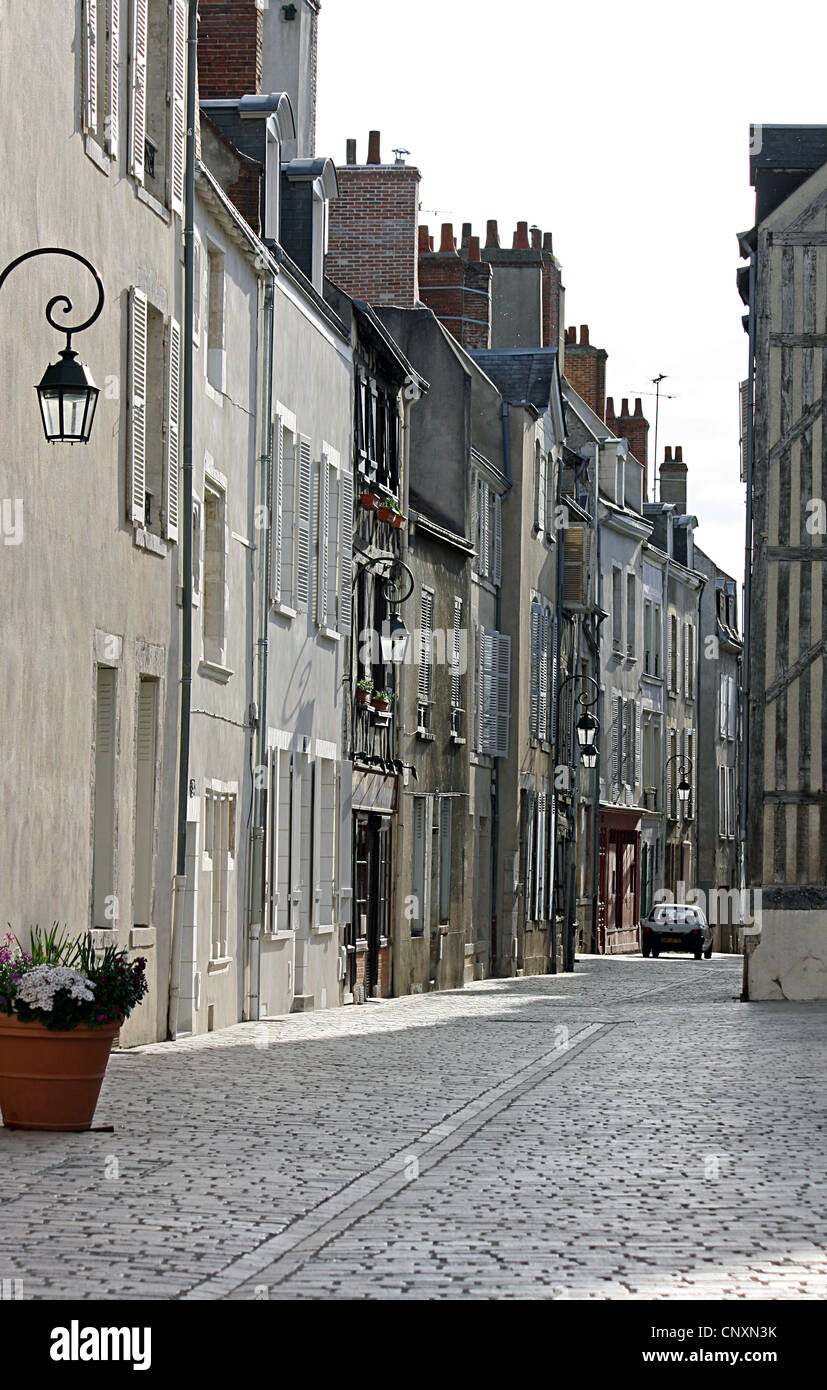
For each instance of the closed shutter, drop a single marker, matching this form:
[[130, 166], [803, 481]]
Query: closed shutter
[[554, 678], [732, 722], [303, 525], [112, 119], [296, 811], [575, 577], [344, 851], [137, 405], [426, 626], [456, 677], [670, 774], [528, 838], [475, 516], [743, 404], [90, 65], [361, 448], [540, 859], [637, 737], [502, 646], [498, 539], [144, 801], [137, 121], [542, 723], [549, 517], [445, 812], [485, 531], [276, 508], [179, 102], [534, 692], [334, 503], [271, 842], [173, 449], [418, 876], [722, 706], [345, 551], [324, 846], [323, 540], [687, 638], [722, 803], [104, 810], [617, 708]]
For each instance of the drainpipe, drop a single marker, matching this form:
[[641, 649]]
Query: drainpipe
[[179, 882], [255, 893], [745, 666], [664, 656], [598, 523], [495, 775]]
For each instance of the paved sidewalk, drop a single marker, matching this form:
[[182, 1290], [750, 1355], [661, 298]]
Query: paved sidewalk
[[629, 1131]]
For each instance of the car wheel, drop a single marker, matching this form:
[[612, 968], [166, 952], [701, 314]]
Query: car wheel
[[708, 954], [645, 950], [697, 954], [656, 951]]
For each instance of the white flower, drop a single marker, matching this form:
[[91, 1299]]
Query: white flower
[[38, 987]]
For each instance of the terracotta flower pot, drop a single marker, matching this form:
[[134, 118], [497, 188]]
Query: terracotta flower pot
[[399, 521], [51, 1080], [369, 501], [381, 706], [385, 513], [363, 697]]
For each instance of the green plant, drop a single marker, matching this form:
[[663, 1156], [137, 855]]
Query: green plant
[[365, 684], [63, 982], [392, 504], [383, 697]]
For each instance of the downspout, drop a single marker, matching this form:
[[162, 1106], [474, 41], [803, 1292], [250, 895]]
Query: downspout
[[179, 882], [555, 695], [745, 666], [255, 896], [664, 654], [597, 523], [495, 774]]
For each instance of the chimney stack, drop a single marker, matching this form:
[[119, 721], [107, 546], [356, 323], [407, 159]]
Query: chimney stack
[[633, 427], [673, 473], [585, 369], [373, 239]]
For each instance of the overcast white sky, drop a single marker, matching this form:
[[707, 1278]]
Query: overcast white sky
[[624, 131]]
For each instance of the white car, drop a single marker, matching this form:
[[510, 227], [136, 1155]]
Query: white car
[[676, 927]]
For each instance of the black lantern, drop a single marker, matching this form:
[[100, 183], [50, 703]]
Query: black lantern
[[589, 756], [395, 640], [587, 727], [684, 790], [68, 397], [66, 392]]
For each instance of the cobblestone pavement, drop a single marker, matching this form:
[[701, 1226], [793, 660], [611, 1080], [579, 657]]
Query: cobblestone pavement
[[631, 1131]]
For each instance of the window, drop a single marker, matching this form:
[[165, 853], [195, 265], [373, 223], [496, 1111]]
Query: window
[[328, 539], [493, 692], [631, 615], [487, 529], [154, 400], [651, 637], [539, 488], [103, 841], [283, 504], [672, 774], [324, 842], [219, 861], [145, 800], [425, 674], [282, 848], [652, 758], [158, 84], [215, 573], [689, 770], [549, 511], [457, 635], [101, 58], [216, 354], [617, 609], [732, 708]]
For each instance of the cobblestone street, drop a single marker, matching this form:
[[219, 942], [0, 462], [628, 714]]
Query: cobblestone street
[[631, 1131]]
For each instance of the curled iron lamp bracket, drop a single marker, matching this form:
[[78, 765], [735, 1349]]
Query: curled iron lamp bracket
[[61, 299]]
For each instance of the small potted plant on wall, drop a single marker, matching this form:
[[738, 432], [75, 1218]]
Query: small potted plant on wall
[[61, 1006], [390, 511], [364, 691], [369, 501], [382, 701]]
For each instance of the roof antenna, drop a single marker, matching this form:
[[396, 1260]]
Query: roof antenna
[[656, 381]]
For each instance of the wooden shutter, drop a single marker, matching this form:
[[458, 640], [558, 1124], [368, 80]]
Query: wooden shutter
[[502, 648], [686, 639], [616, 716], [456, 677], [90, 65], [553, 681], [479, 712], [296, 810], [344, 851], [345, 551], [137, 404], [173, 449], [323, 540], [498, 539], [104, 810], [475, 516], [178, 106], [743, 403], [426, 654], [303, 525], [271, 843], [112, 119], [540, 859], [418, 874], [485, 531], [528, 837], [722, 803], [636, 777], [445, 812], [534, 691], [542, 722], [144, 801], [575, 578], [137, 118], [722, 706], [732, 708], [276, 506], [333, 531]]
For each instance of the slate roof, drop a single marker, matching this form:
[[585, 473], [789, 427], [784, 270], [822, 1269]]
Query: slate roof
[[523, 376]]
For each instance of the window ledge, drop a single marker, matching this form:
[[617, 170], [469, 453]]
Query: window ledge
[[545, 745], [158, 208], [215, 670], [214, 394], [483, 582], [324, 930], [219, 965], [278, 935], [96, 154], [141, 938], [330, 634], [426, 735], [458, 739], [283, 609], [147, 540]]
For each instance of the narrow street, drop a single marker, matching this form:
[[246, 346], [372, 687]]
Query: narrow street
[[631, 1131]]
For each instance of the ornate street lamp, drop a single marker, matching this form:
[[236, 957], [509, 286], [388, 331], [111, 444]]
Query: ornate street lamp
[[66, 392], [684, 787], [395, 640], [587, 727]]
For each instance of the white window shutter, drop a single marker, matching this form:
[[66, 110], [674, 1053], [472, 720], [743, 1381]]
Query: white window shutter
[[112, 119], [475, 515], [528, 832], [344, 849], [502, 646], [542, 723], [445, 814], [323, 540], [178, 106], [90, 65], [456, 675], [534, 692], [296, 810], [137, 405], [137, 121], [638, 750], [732, 712], [540, 859], [271, 843], [686, 631], [303, 524], [418, 875], [425, 673], [317, 842], [498, 539], [617, 705], [552, 733], [276, 508], [345, 550], [485, 531], [173, 448]]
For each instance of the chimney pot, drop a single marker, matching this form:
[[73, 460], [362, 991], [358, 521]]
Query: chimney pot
[[679, 453], [667, 457], [610, 409], [584, 335], [521, 241], [424, 238], [350, 157], [547, 246], [474, 249], [536, 239], [447, 243], [374, 154], [638, 406], [430, 243], [571, 336], [466, 233], [624, 409], [492, 236]]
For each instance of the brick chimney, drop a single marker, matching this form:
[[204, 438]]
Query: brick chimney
[[456, 284], [518, 289], [585, 368], [673, 473], [632, 426], [229, 49], [372, 236]]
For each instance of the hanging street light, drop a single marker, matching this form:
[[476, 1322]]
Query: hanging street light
[[395, 640], [683, 791], [684, 787], [67, 395]]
